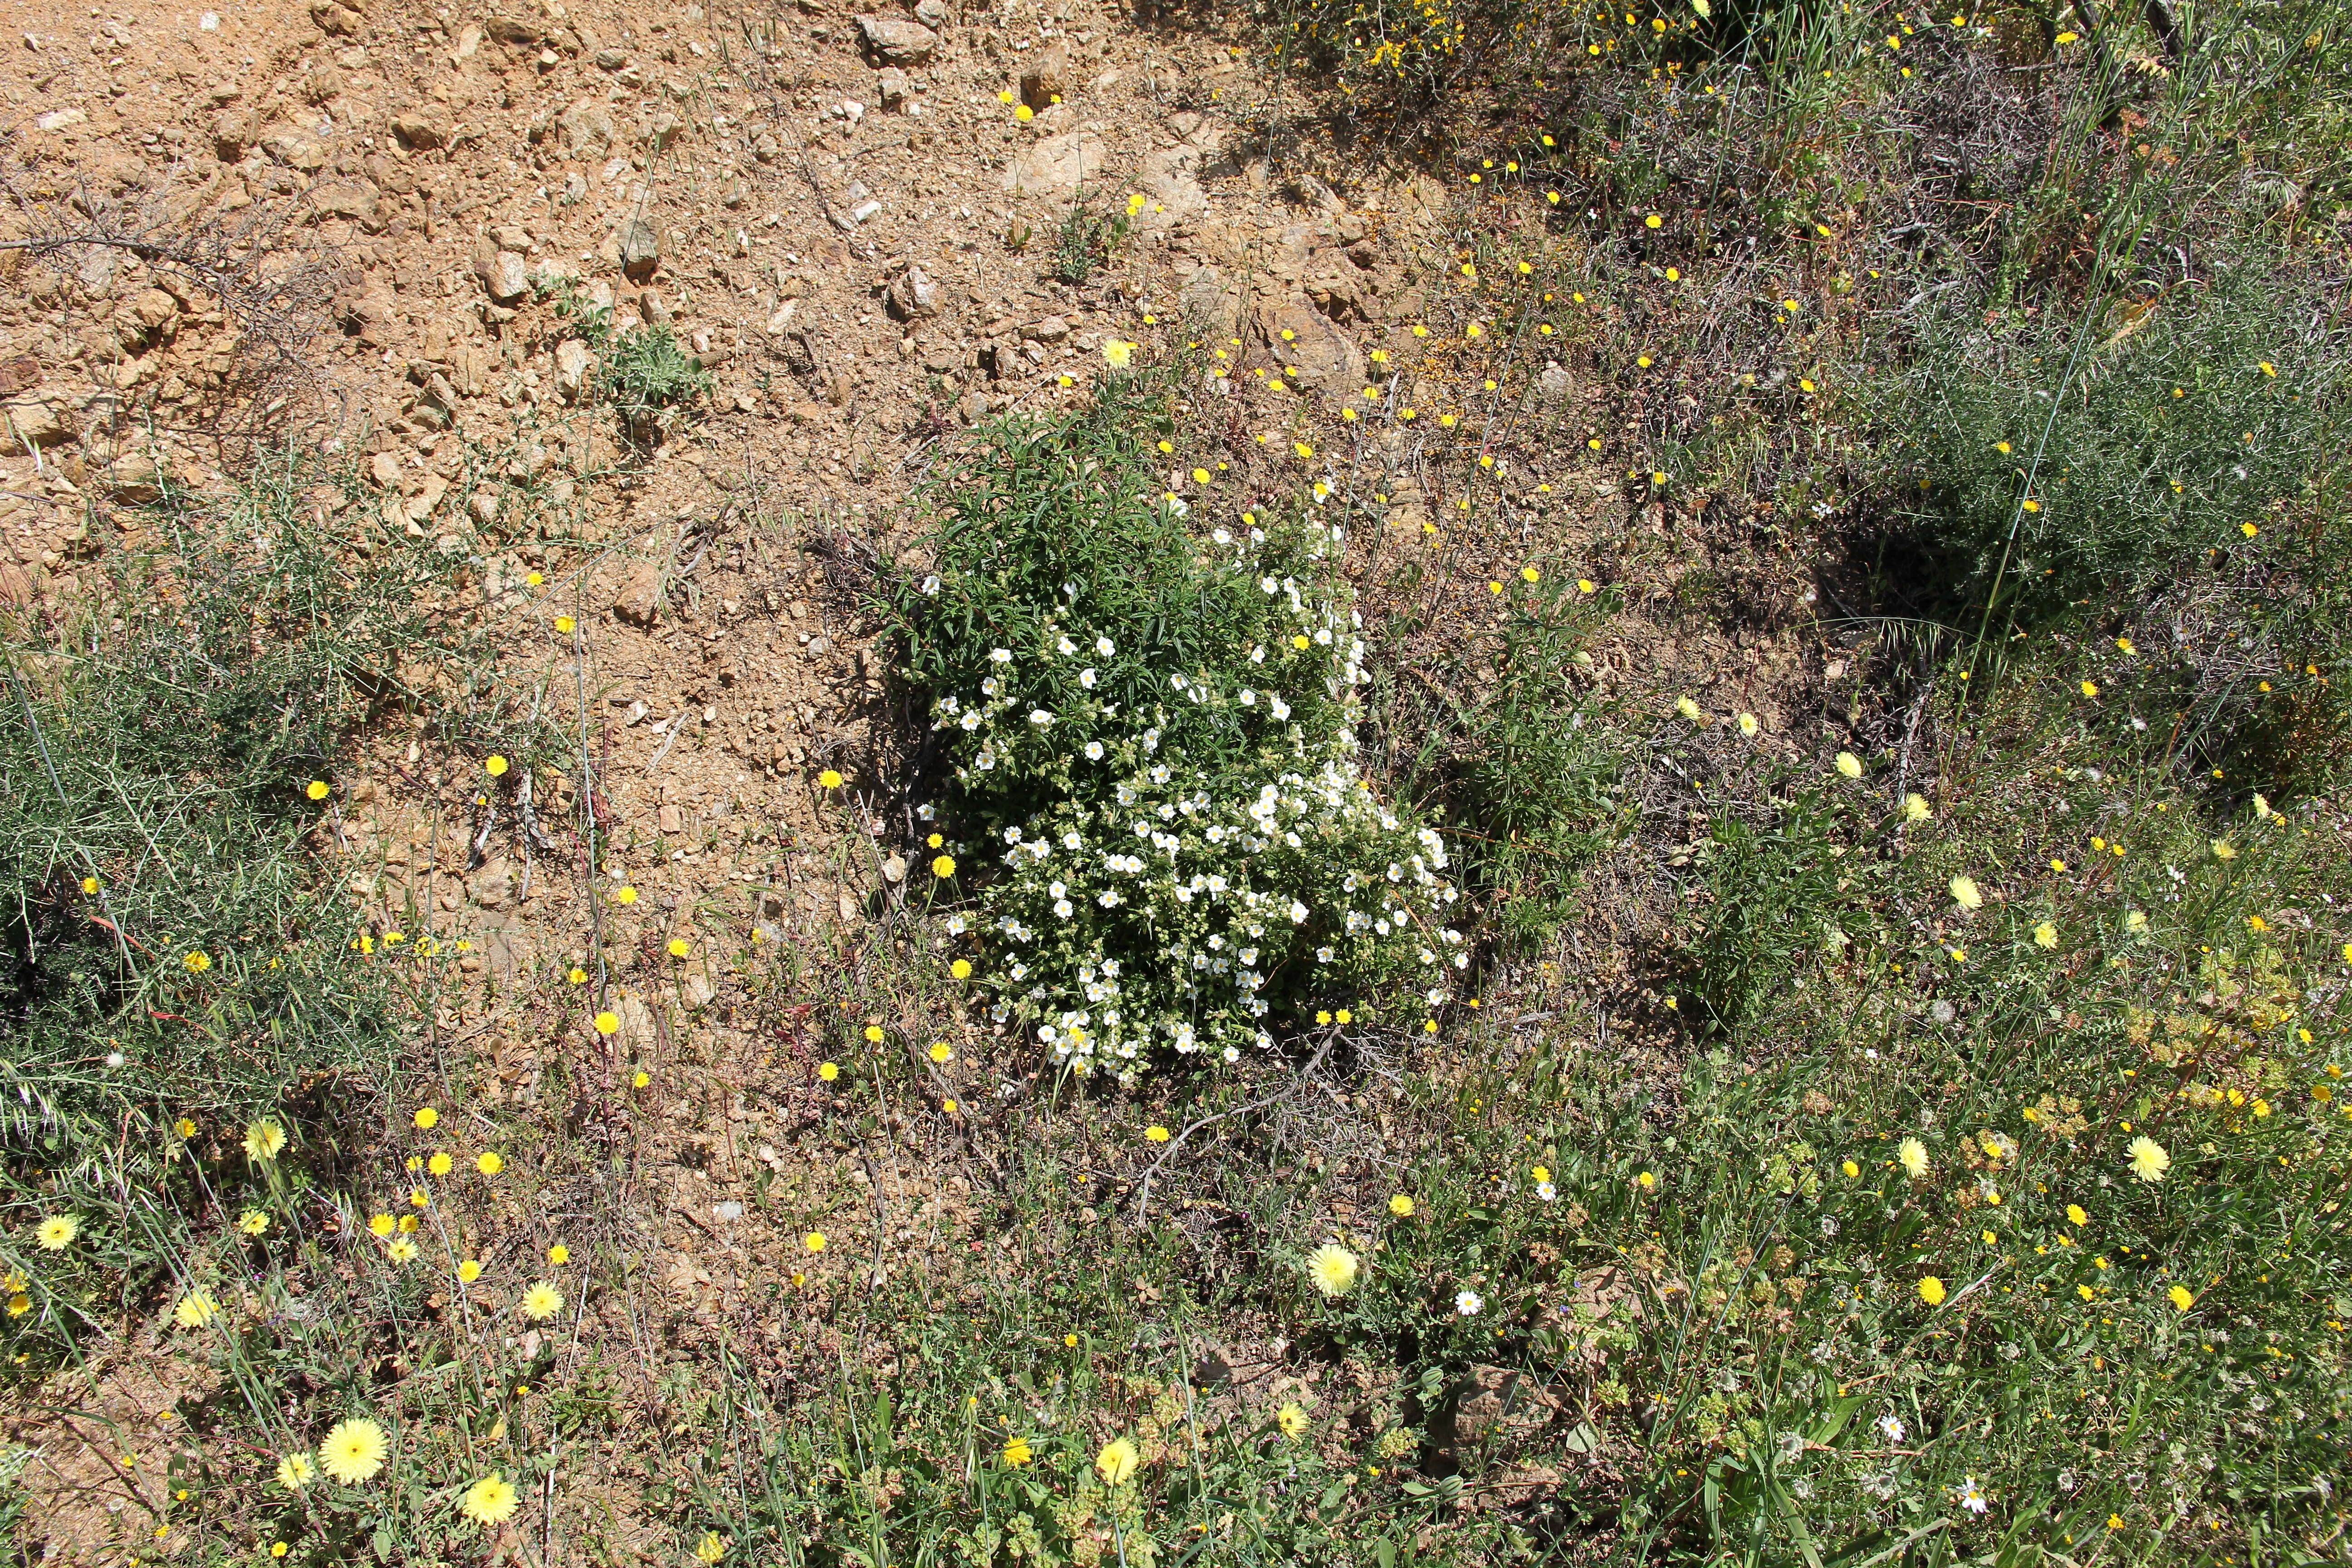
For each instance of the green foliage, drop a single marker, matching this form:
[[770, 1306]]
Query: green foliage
[[172, 948], [645, 376], [1088, 239], [2052, 461], [1155, 736]]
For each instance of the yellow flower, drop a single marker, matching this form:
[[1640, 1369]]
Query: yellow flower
[[19, 1304], [490, 1163], [1914, 1155], [1749, 725], [679, 947], [198, 962], [1916, 809], [1024, 113], [1647, 1182], [873, 1034], [496, 766], [1849, 764], [829, 779], [354, 1451], [1931, 1291], [814, 1241], [1017, 1451], [57, 1232], [2090, 689], [264, 1139], [253, 1222], [490, 1500], [2148, 1160], [318, 789], [1966, 894], [1851, 1170], [1688, 709], [827, 1071], [943, 867], [440, 1162], [607, 1023], [1118, 1462], [89, 886], [711, 1548], [1652, 221], [296, 1472], [960, 969], [1118, 354], [277, 1549], [2180, 1298], [1400, 1206], [542, 1300], [942, 1053], [642, 1078], [1292, 1419], [401, 1251], [195, 1309], [578, 976], [1158, 1135], [564, 624], [559, 1255], [426, 1118], [381, 1225], [2224, 850], [2045, 935], [469, 1271], [1332, 1268]]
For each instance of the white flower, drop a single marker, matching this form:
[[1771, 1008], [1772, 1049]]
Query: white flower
[[1094, 751], [1280, 709], [932, 587], [1248, 697], [1071, 840], [1322, 956], [1468, 1303], [1547, 1192], [1000, 656], [1040, 718], [1065, 646], [1104, 646], [1968, 1497], [1297, 912], [1087, 679], [1892, 1427]]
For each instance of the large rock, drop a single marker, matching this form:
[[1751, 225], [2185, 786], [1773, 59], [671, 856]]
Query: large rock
[[1210, 303], [894, 41], [1324, 356], [296, 149], [913, 297], [37, 423], [1058, 165]]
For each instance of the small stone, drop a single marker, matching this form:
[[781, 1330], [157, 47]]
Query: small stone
[[895, 42], [492, 887], [1555, 385], [895, 868], [933, 14], [1058, 165], [639, 599], [1046, 330], [505, 277], [914, 297], [640, 248], [132, 480], [234, 131], [893, 85], [571, 362], [424, 127]]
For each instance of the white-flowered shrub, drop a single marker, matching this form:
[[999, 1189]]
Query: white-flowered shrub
[[1157, 811]]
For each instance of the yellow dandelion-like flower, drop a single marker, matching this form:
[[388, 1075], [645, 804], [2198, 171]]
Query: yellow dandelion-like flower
[[1400, 1206], [814, 1241], [1964, 893], [944, 866], [468, 1270], [565, 623], [318, 789], [381, 1225], [941, 1052], [441, 1164], [1292, 1419], [426, 1118], [496, 766], [1117, 1462], [1017, 1451], [1118, 354], [1916, 809], [490, 1163], [2148, 1160], [2045, 935], [490, 1500], [542, 1300], [1914, 1156], [679, 947], [1332, 1268], [829, 779], [1850, 1168], [2224, 851], [711, 1548], [1849, 764], [2180, 1298], [1931, 1291], [253, 1222], [354, 1450], [402, 1250], [960, 969], [296, 1472], [264, 1139], [195, 1309], [1157, 1135], [608, 1023], [559, 1255], [873, 1034], [2074, 1215], [57, 1232], [828, 1071], [197, 962]]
